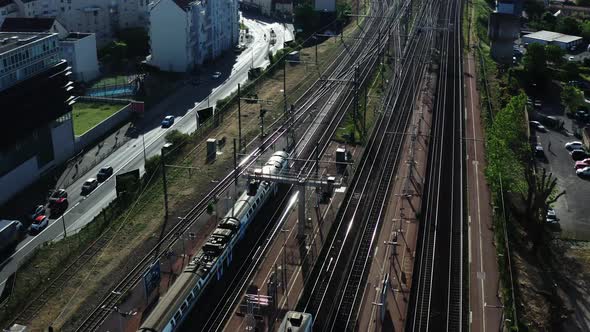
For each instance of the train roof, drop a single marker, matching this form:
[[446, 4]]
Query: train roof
[[296, 321], [168, 305]]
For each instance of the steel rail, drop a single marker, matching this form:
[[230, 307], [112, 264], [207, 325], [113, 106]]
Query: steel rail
[[233, 294], [323, 285], [93, 321]]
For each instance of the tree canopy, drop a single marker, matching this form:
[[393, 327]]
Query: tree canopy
[[571, 98], [535, 62], [506, 145]]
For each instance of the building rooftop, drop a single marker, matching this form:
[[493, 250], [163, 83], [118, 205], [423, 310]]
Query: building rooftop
[[27, 24], [550, 36], [12, 40], [76, 36]]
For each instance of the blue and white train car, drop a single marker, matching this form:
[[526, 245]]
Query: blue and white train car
[[208, 265]]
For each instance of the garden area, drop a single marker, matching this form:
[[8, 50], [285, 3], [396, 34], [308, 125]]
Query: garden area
[[86, 115]]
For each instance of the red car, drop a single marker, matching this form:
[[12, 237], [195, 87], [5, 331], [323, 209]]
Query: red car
[[582, 163], [58, 201]]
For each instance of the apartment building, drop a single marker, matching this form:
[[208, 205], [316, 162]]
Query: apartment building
[[184, 34], [78, 48], [102, 17], [35, 93], [7, 9]]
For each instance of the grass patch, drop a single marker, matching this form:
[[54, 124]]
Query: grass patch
[[87, 115], [110, 80]]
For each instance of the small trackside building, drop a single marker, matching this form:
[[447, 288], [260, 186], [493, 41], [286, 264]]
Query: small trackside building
[[545, 37]]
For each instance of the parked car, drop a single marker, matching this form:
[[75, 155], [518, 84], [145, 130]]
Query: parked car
[[58, 202], [583, 172], [582, 116], [538, 126], [89, 186], [104, 173], [579, 154], [582, 164], [39, 224], [168, 121], [216, 75], [37, 211], [551, 217], [575, 145], [539, 152], [58, 198]]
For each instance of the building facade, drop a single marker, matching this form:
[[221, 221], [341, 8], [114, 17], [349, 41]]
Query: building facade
[[202, 30], [7, 9], [79, 50], [544, 37], [102, 17], [35, 92]]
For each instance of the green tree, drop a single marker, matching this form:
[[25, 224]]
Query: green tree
[[571, 71], [554, 54], [343, 9], [115, 53], [533, 8], [568, 25], [506, 146], [571, 98], [307, 18], [137, 41], [535, 62], [585, 29], [542, 192]]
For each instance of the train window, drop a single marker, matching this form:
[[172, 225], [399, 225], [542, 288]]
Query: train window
[[183, 306], [191, 296], [177, 316]]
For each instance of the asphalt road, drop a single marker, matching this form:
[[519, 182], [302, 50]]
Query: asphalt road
[[182, 104]]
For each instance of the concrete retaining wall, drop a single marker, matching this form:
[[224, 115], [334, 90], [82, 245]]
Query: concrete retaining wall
[[107, 125]]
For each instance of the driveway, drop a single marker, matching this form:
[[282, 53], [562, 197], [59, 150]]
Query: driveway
[[572, 208]]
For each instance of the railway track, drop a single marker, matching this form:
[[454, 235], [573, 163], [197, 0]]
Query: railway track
[[305, 152], [313, 95], [334, 293], [319, 90], [437, 301]]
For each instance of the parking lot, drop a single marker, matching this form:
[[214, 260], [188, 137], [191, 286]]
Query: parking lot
[[573, 208]]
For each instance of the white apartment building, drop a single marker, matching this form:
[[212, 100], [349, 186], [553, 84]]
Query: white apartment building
[[184, 33], [79, 49], [7, 9], [102, 17]]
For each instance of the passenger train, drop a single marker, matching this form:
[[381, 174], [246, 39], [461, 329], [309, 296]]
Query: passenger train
[[208, 264]]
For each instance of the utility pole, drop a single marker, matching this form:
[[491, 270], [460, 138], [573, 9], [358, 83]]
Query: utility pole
[[285, 114], [239, 118], [63, 222], [165, 148], [262, 112], [235, 164], [356, 98], [365, 111], [165, 184]]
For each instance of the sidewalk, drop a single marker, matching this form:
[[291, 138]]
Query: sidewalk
[[485, 306], [84, 161]]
